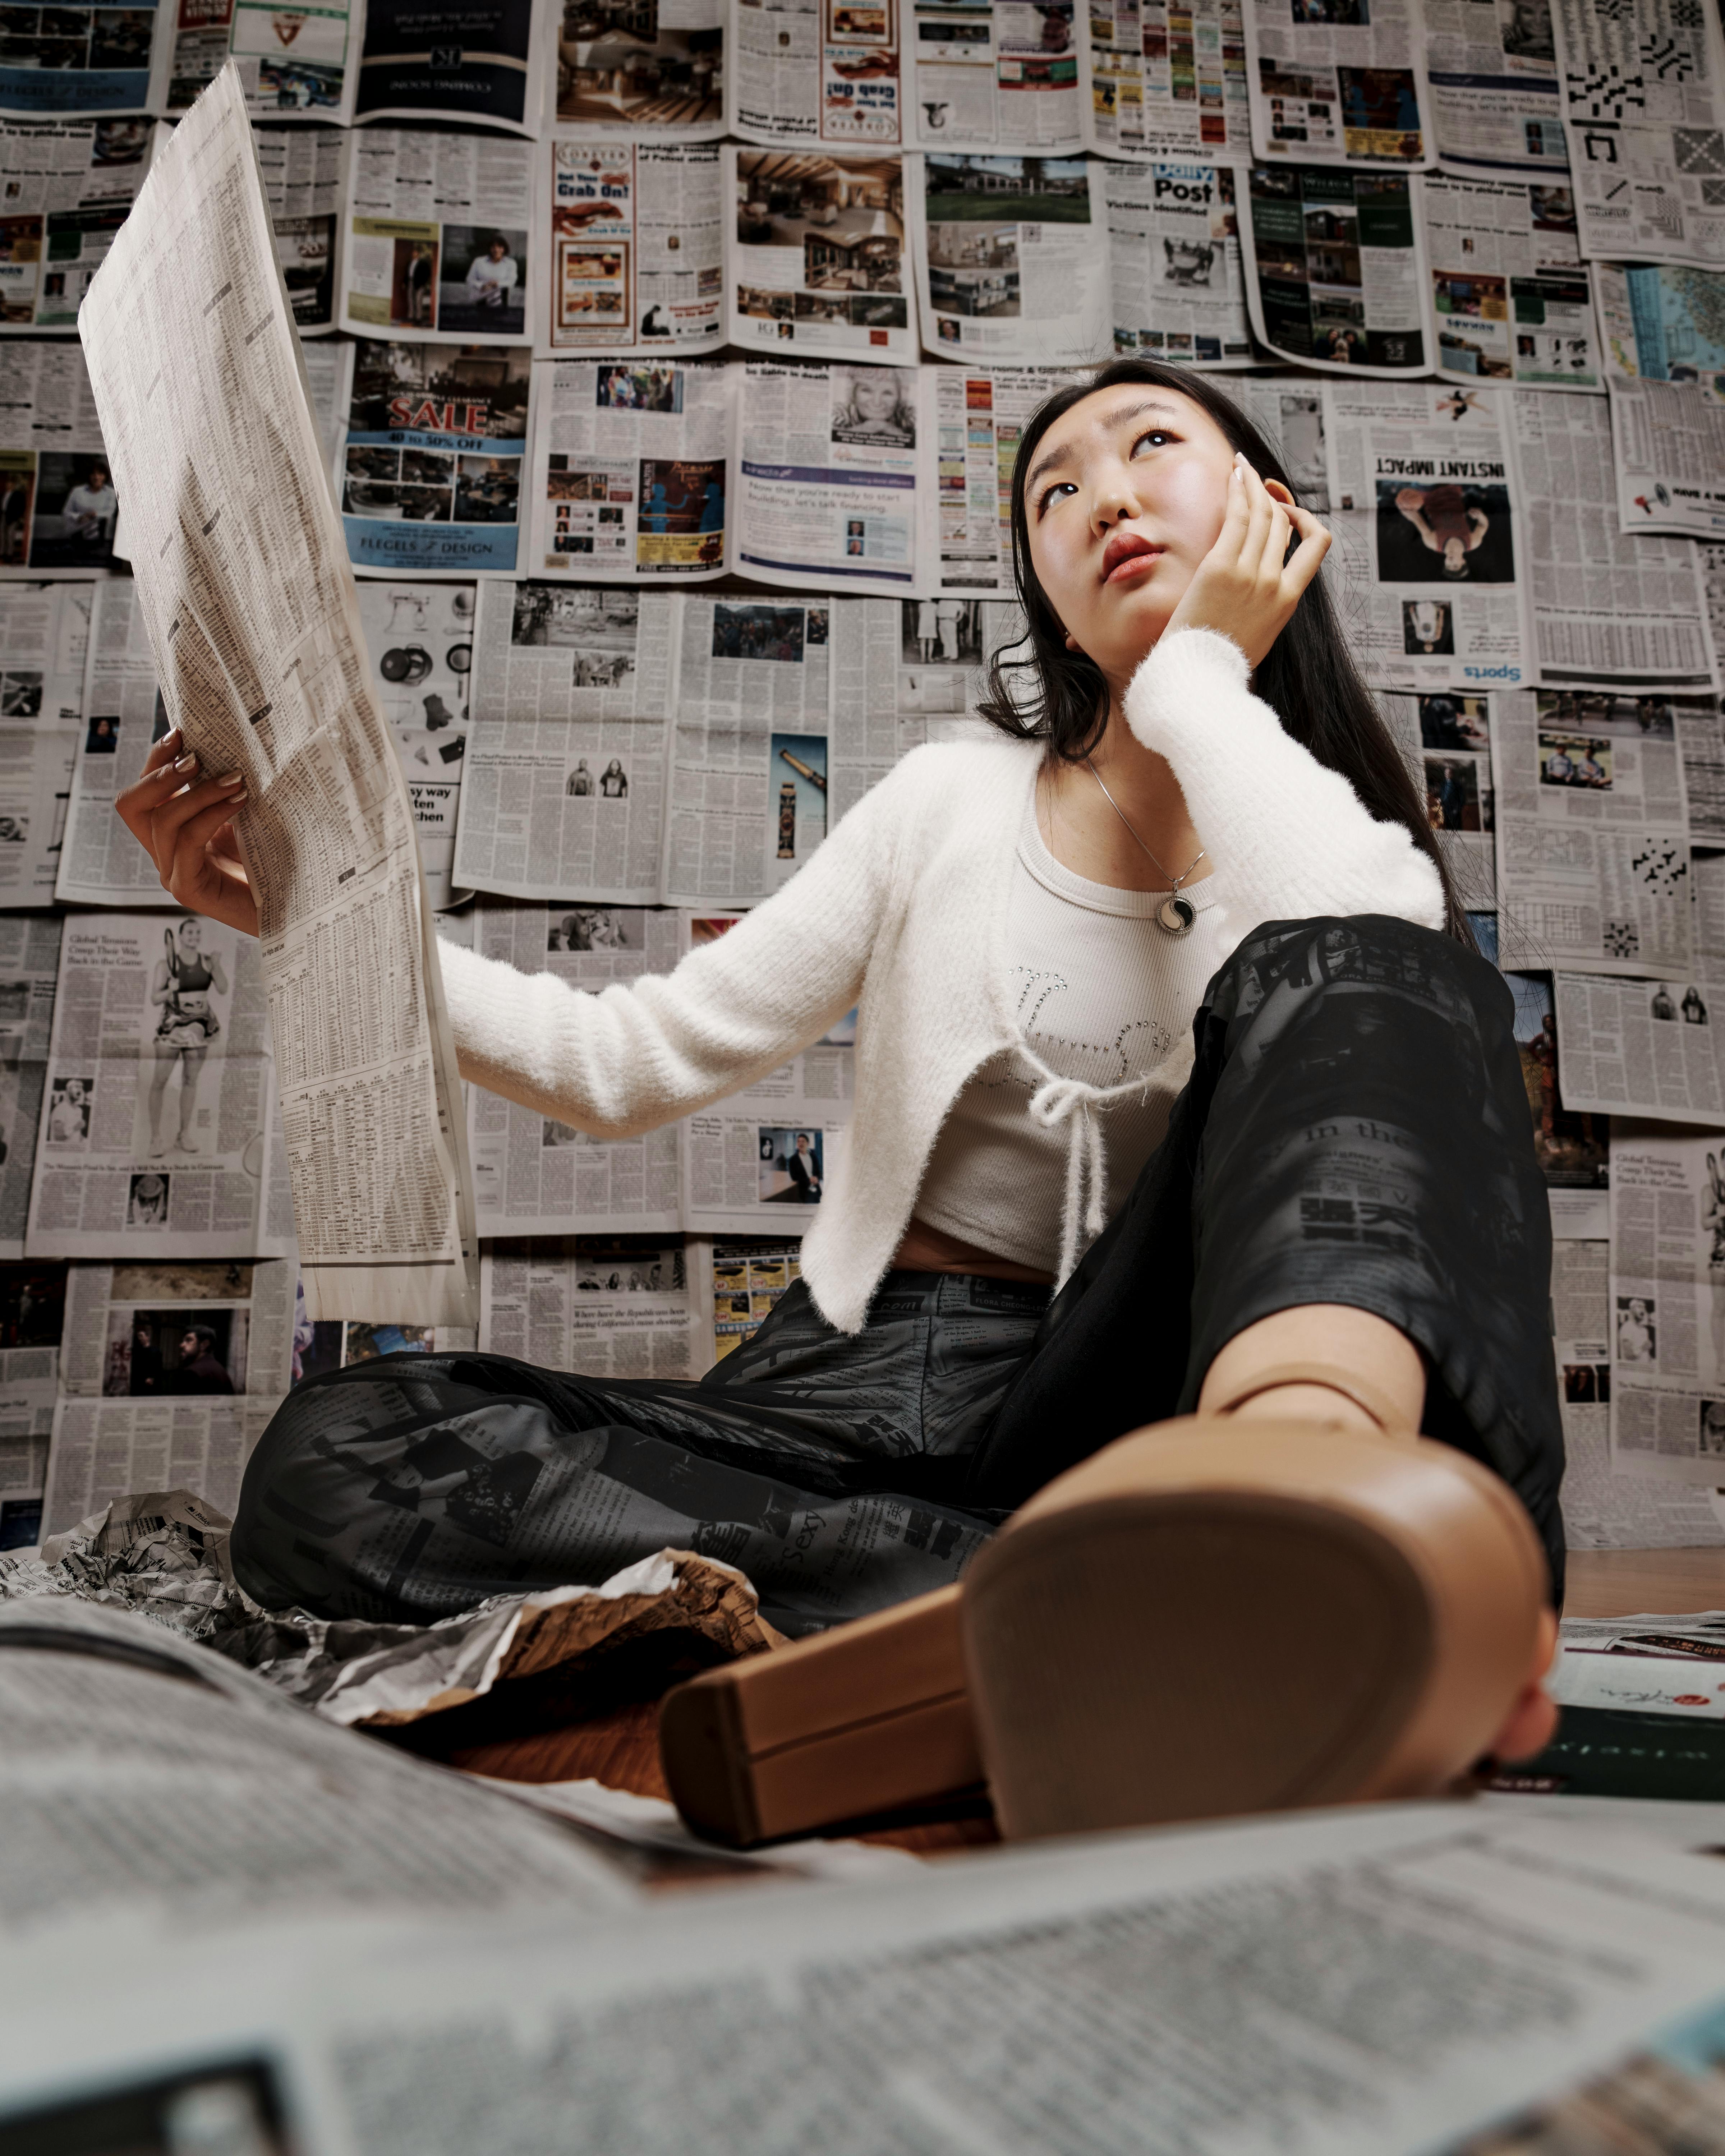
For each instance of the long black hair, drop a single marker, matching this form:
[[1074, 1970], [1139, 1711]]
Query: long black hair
[[1039, 690]]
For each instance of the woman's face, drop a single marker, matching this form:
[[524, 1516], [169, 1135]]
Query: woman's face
[[191, 935], [874, 395], [1124, 498], [1455, 557]]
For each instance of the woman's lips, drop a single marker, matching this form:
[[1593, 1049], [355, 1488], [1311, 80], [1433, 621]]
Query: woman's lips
[[1124, 558]]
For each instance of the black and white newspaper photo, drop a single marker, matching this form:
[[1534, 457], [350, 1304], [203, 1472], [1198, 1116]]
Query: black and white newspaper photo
[[44, 637], [1668, 1311], [57, 503], [1339, 82], [624, 68], [1493, 75], [214, 1330], [565, 772], [100, 863], [1512, 299], [438, 238], [1012, 257], [609, 1306], [300, 63], [1643, 86], [103, 1449], [66, 185], [1662, 326], [631, 246], [420, 640], [1445, 736], [1593, 833], [1175, 277], [1335, 269], [305, 173], [1643, 1048], [154, 1120], [817, 259], [628, 469], [29, 970], [1162, 89]]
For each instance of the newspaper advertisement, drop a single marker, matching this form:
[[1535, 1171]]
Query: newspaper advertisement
[[1339, 82], [1494, 84], [1668, 1306], [1445, 736], [478, 61], [1012, 257], [904, 671], [61, 61], [1428, 530], [429, 464], [605, 1306], [29, 970], [103, 1449], [820, 261], [738, 1280], [1511, 296], [438, 237], [1643, 100], [1605, 607], [971, 422], [65, 189], [1592, 833], [628, 467], [1175, 274], [565, 772], [759, 1162], [100, 863], [304, 179], [419, 637], [993, 74], [1165, 84], [298, 63], [628, 68], [826, 491], [1603, 1510], [58, 505], [1335, 269], [256, 619], [535, 1176], [748, 752], [160, 1331], [1642, 1047], [154, 1127], [632, 256], [819, 71], [44, 638]]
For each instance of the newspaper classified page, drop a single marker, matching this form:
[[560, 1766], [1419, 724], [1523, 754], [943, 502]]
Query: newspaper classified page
[[641, 72], [1445, 736], [305, 174], [1429, 536], [1335, 269], [438, 239], [1012, 257], [73, 61], [994, 74], [67, 187], [1593, 833], [29, 970], [1511, 296], [255, 618], [1605, 607], [535, 1177], [419, 637], [820, 260], [628, 467], [1494, 84], [300, 63], [826, 484], [1339, 82], [100, 863], [632, 256], [1643, 105], [58, 505], [1668, 1306], [814, 71], [428, 461], [1642, 1047], [566, 769], [607, 1306], [1175, 277], [1165, 84], [485, 61]]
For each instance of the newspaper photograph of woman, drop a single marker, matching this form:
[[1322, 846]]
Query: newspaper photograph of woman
[[185, 1025]]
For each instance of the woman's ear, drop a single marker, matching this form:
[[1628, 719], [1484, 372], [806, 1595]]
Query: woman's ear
[[1277, 492]]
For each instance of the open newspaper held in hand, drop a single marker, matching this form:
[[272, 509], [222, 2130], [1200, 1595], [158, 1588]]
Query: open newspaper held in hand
[[255, 628]]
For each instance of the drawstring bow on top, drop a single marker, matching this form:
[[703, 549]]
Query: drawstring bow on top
[[1071, 1100]]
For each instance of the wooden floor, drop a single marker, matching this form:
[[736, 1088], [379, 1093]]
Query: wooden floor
[[621, 1748]]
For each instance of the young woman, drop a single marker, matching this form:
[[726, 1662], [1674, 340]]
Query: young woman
[[1174, 1065]]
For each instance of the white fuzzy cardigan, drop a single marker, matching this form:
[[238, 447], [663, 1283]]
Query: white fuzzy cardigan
[[901, 912]]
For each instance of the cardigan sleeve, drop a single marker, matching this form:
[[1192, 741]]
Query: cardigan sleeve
[[639, 1053], [1290, 839]]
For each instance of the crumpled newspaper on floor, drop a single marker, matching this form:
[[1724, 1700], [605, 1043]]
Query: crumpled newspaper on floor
[[165, 1553]]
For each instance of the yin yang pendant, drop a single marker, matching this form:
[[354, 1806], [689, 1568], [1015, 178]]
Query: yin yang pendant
[[1176, 914]]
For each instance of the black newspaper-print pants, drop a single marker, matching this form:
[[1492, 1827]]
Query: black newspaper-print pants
[[1355, 1130]]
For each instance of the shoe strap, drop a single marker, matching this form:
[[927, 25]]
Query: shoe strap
[[1366, 1396]]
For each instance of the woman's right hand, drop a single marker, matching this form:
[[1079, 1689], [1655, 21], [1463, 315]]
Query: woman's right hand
[[185, 822]]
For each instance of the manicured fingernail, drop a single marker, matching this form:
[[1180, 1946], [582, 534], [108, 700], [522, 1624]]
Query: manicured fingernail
[[231, 778], [186, 762], [171, 738]]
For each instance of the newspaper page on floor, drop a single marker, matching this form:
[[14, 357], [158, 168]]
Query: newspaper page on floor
[[1668, 1306], [73, 62], [485, 70], [632, 254], [44, 631], [256, 616]]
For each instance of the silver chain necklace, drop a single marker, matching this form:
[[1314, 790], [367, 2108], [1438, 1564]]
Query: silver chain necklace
[[1175, 914]]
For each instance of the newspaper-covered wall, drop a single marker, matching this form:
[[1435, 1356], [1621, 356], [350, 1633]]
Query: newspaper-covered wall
[[419, 636], [971, 421], [44, 635], [904, 672], [1445, 736], [1510, 295], [303, 171], [1176, 281], [43, 639], [74, 61], [57, 503], [29, 970], [187, 1330], [1668, 1306], [1494, 86], [66, 187], [630, 246], [1161, 84], [1335, 269], [100, 863], [817, 255], [1339, 84], [996, 75], [103, 1449], [607, 1306], [1642, 1047], [622, 68], [484, 65], [438, 242], [738, 1280], [30, 1389], [310, 75]]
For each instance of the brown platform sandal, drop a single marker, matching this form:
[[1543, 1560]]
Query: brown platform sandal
[[1208, 1617]]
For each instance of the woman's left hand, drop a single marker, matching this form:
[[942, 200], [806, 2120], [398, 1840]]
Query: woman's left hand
[[1245, 588]]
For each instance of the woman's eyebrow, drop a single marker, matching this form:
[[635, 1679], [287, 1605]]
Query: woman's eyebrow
[[1056, 458]]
